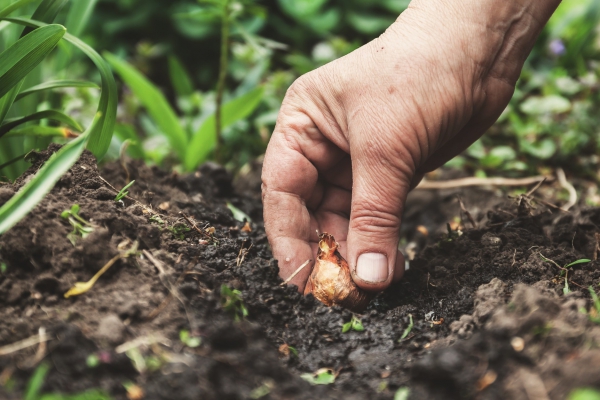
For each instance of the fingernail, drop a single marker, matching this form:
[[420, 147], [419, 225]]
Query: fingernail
[[372, 267]]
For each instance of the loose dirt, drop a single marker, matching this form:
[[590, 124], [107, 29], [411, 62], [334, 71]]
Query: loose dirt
[[490, 317]]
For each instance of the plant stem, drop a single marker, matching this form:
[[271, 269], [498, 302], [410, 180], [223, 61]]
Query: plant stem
[[222, 77]]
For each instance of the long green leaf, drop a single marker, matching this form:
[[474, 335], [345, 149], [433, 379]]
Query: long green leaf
[[102, 128], [41, 132], [35, 190], [55, 85], [155, 102], [23, 56], [205, 139], [80, 12], [45, 114], [180, 79], [45, 12], [6, 11]]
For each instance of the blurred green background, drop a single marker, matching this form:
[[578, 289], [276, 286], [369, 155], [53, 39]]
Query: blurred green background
[[167, 56]]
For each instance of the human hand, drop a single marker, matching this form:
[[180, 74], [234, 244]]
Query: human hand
[[353, 137]]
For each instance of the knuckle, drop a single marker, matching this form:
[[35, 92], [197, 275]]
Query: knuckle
[[370, 217]]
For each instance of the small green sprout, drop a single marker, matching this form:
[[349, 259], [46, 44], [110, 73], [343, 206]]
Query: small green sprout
[[595, 311], [355, 324], [262, 390], [232, 302], [238, 214], [189, 341], [402, 394], [566, 289], [81, 227], [124, 192], [3, 268], [324, 376], [179, 231], [408, 328], [565, 269], [157, 219], [293, 351]]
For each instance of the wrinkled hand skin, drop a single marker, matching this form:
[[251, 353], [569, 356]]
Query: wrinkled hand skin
[[354, 136]]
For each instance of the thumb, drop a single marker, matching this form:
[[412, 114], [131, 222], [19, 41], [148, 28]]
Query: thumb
[[381, 181]]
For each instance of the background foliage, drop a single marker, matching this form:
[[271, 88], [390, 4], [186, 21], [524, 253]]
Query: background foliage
[[168, 56]]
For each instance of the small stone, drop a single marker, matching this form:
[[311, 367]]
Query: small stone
[[489, 240], [111, 329]]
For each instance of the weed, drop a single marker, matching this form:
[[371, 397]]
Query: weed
[[157, 219], [402, 394], [34, 386], [3, 268], [595, 311], [564, 271], [355, 324], [232, 302], [81, 227], [293, 351], [408, 328], [324, 376], [179, 231], [189, 341], [124, 192]]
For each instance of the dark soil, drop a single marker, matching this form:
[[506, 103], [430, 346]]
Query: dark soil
[[490, 317]]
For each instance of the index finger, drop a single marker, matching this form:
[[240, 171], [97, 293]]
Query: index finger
[[296, 154]]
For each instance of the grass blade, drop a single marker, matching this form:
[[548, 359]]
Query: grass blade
[[55, 85], [46, 114], [42, 132], [101, 130], [204, 139], [154, 101], [79, 14], [36, 382], [6, 11], [35, 190], [26, 53], [180, 79], [46, 12]]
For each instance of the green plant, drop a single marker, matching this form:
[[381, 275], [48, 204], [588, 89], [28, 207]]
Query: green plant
[[564, 271], [189, 341], [157, 219], [232, 302], [81, 227], [584, 394], [595, 311], [354, 324], [34, 387], [324, 376], [124, 192], [179, 231], [408, 328], [16, 63], [402, 394], [3, 268]]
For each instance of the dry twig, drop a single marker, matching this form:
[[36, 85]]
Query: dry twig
[[292, 276], [467, 213], [25, 343], [474, 181], [562, 179]]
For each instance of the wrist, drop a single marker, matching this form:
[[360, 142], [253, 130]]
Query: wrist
[[490, 33]]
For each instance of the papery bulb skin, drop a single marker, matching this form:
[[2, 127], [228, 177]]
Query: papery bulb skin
[[331, 282]]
